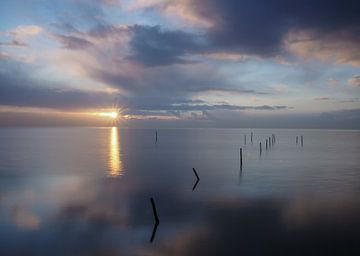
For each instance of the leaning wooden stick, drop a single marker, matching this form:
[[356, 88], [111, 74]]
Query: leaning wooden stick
[[157, 221]]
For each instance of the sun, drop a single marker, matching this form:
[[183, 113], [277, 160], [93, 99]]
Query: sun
[[112, 114]]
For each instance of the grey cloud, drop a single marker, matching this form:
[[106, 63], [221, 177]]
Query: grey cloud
[[259, 27], [322, 98], [22, 91], [248, 27], [231, 90], [14, 43], [154, 46], [207, 107], [73, 42], [166, 81]]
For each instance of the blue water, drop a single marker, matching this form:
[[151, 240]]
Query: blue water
[[86, 191]]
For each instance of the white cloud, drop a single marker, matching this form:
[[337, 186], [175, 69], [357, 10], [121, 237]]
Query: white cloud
[[25, 31]]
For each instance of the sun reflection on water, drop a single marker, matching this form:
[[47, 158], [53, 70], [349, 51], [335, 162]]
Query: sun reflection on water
[[115, 165]]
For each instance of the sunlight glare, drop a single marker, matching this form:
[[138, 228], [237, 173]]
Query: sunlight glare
[[115, 163], [112, 114]]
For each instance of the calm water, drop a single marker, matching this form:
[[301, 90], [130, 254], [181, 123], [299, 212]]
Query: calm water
[[86, 191]]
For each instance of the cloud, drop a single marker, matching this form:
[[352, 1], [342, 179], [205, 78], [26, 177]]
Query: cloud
[[73, 42], [154, 46], [24, 218], [111, 2], [25, 31], [321, 98], [25, 92], [205, 107], [14, 43], [4, 55], [339, 47], [261, 27], [333, 82], [354, 81]]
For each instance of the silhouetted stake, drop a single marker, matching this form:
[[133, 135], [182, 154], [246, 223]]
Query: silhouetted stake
[[240, 175], [269, 142], [197, 176], [156, 220], [302, 140], [260, 148], [297, 140], [245, 139], [156, 137], [241, 157], [197, 179], [195, 184], [266, 146], [251, 137]]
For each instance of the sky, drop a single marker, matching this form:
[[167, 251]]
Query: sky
[[185, 63]]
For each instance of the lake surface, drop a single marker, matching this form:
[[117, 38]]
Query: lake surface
[[86, 191]]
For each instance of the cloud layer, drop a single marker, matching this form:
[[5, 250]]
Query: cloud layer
[[186, 58]]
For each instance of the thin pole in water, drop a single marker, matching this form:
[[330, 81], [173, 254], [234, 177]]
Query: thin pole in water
[[266, 144], [197, 179], [251, 137], [297, 140], [154, 210], [241, 157], [197, 176], [260, 148], [245, 139], [302, 140], [156, 137], [156, 219]]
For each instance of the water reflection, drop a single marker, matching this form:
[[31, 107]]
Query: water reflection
[[115, 164], [290, 202]]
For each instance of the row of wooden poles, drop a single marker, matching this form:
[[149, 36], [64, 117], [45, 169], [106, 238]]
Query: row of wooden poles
[[269, 142]]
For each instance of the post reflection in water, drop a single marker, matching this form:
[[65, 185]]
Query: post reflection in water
[[115, 165]]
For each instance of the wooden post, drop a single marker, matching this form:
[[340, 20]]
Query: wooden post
[[197, 179], [266, 144], [154, 210], [156, 136], [297, 140], [241, 157], [156, 219], [260, 148], [269, 142], [197, 176], [302, 140], [251, 137], [245, 139]]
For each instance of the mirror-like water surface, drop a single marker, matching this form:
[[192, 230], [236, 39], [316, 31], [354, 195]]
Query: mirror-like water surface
[[86, 191]]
